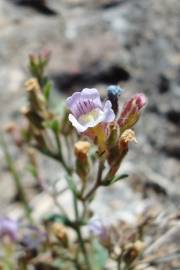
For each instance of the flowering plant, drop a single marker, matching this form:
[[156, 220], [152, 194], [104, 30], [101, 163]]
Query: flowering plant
[[97, 135]]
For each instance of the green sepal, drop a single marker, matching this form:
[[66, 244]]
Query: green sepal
[[47, 89], [58, 219]]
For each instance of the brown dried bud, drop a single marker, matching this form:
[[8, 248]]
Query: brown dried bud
[[128, 136], [32, 85], [60, 233], [132, 251], [117, 153], [81, 149], [139, 246], [36, 98]]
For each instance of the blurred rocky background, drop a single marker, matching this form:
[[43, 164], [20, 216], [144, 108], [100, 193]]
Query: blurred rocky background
[[133, 43]]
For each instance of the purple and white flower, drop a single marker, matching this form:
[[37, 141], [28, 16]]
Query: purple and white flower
[[97, 228], [8, 227], [87, 110], [32, 237]]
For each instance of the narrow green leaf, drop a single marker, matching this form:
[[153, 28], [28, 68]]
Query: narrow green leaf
[[119, 177], [99, 255], [72, 185], [114, 179]]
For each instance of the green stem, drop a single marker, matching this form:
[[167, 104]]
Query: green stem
[[72, 188], [98, 181], [77, 228], [80, 238], [59, 206], [17, 179], [69, 148], [61, 158], [118, 265], [83, 248]]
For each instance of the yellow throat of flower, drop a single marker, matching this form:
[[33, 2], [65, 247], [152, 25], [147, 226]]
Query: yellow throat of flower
[[89, 117]]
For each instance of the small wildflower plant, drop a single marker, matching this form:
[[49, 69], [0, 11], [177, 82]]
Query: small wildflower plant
[[97, 135]]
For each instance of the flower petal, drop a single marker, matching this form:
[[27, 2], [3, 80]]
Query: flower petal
[[92, 94], [76, 124], [71, 103], [109, 115], [8, 227]]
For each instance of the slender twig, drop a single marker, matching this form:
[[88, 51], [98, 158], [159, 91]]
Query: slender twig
[[60, 155], [98, 181]]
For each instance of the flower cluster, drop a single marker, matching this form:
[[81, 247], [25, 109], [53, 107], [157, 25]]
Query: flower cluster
[[111, 131], [87, 110]]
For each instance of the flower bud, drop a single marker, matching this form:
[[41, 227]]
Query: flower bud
[[81, 149], [37, 113], [119, 151], [45, 54], [38, 62], [113, 135], [36, 97], [60, 232], [128, 136], [132, 251], [114, 92], [131, 111]]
